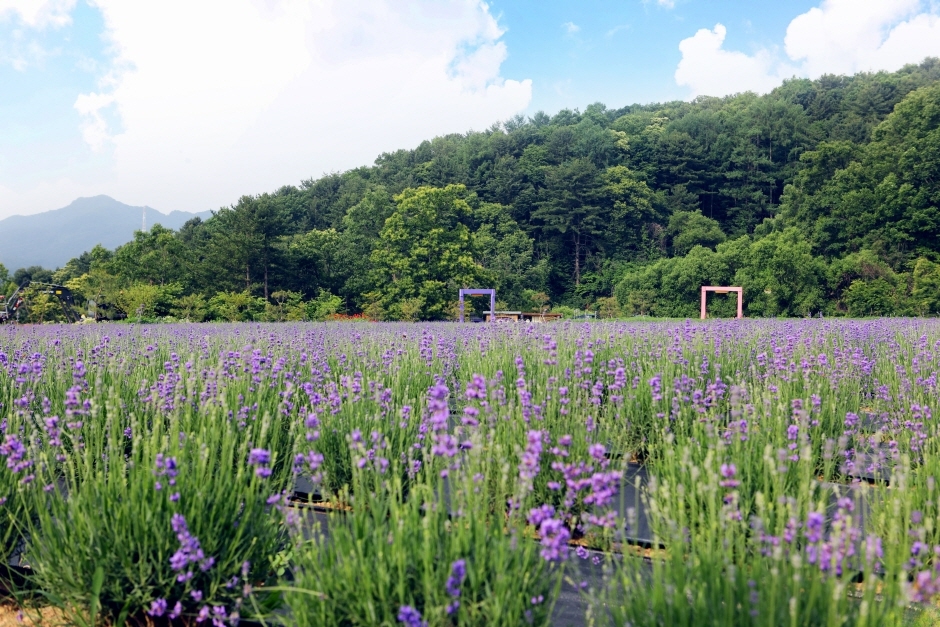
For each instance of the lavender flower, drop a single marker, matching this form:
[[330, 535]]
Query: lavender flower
[[15, 452], [260, 458], [555, 538], [458, 572], [410, 617], [529, 466], [728, 471], [189, 552], [157, 608]]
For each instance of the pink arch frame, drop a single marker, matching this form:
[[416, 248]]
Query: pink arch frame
[[724, 290]]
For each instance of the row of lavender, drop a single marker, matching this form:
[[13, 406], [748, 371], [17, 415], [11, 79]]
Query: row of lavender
[[145, 471]]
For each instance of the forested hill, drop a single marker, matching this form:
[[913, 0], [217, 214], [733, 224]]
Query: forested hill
[[821, 196]]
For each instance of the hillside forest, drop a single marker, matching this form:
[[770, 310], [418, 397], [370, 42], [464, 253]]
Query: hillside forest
[[821, 197]]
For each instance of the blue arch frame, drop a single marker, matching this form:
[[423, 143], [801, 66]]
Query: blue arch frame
[[492, 295]]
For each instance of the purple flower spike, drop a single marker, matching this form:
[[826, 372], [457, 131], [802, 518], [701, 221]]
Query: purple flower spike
[[728, 471], [410, 617], [260, 458], [458, 572], [555, 538], [177, 611], [157, 608]]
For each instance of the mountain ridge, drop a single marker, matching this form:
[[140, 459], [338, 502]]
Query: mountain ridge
[[49, 239]]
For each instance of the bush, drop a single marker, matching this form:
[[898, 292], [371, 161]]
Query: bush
[[236, 306], [145, 518], [439, 555]]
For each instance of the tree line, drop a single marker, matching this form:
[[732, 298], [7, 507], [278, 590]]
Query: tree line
[[820, 197]]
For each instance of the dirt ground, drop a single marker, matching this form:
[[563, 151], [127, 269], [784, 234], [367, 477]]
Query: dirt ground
[[10, 616]]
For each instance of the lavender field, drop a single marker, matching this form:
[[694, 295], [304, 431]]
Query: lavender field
[[750, 472]]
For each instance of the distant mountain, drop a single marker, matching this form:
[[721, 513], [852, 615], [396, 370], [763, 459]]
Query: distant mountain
[[50, 239]]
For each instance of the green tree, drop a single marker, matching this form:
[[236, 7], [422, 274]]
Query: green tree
[[690, 228], [926, 288], [4, 279], [508, 255], [156, 256], [38, 274], [877, 297], [285, 306], [632, 210], [426, 250], [243, 239], [40, 306], [359, 234], [779, 274], [316, 260], [571, 211]]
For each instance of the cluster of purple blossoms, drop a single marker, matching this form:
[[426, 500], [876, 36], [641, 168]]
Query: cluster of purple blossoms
[[539, 514], [166, 467], [75, 406], [312, 460], [312, 423], [656, 387], [925, 583], [159, 608], [438, 409], [529, 466], [600, 487], [476, 390], [830, 553], [54, 432], [443, 444], [410, 617], [216, 613], [555, 536], [260, 459], [15, 452], [728, 473], [924, 587], [371, 455], [604, 486], [189, 552], [458, 572], [554, 533]]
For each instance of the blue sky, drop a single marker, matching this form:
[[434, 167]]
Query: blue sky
[[187, 105], [620, 52]]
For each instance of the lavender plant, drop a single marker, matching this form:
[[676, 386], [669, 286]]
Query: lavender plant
[[502, 444], [173, 521]]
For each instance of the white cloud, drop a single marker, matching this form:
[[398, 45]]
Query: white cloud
[[616, 29], [211, 100], [707, 68], [848, 36], [95, 127], [838, 37], [571, 28], [38, 13], [664, 4], [18, 47]]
